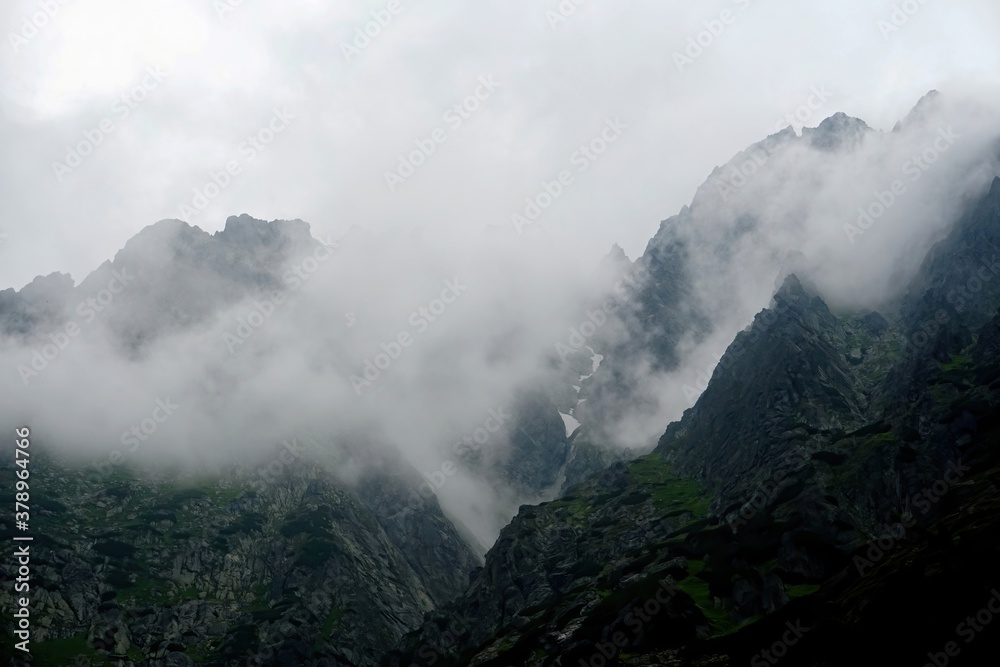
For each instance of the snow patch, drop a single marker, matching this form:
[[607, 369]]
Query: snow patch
[[597, 359], [570, 422]]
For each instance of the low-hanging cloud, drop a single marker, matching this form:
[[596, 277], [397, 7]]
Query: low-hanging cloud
[[434, 310]]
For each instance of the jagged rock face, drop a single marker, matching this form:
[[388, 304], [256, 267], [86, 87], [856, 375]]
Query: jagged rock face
[[653, 311], [924, 106], [552, 576], [429, 543], [818, 434], [839, 131], [168, 277], [960, 274], [766, 399], [682, 276], [227, 570], [829, 456], [41, 303], [535, 451], [715, 258]]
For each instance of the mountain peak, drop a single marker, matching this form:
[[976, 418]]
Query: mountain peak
[[932, 97], [617, 254], [41, 286], [923, 108], [791, 288], [165, 228], [246, 229], [837, 131], [155, 238]]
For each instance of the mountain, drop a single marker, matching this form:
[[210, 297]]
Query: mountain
[[177, 276], [833, 486], [281, 562], [839, 477]]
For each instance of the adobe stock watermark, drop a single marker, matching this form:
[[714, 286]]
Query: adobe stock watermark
[[699, 43], [471, 442], [364, 35], [290, 452], [761, 324], [635, 618], [136, 435], [455, 116], [263, 309], [431, 653], [420, 320], [900, 16], [33, 24], [692, 392], [915, 167], [563, 11], [967, 630], [742, 173], [959, 297], [121, 109], [818, 97], [582, 159], [983, 274], [59, 340], [779, 649], [597, 318], [922, 500], [247, 152]]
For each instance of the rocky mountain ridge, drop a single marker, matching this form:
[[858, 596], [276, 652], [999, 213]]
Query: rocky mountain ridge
[[822, 432], [820, 444]]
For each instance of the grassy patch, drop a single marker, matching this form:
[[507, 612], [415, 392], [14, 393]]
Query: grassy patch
[[959, 362], [695, 566], [326, 631], [721, 620], [668, 491], [190, 593], [575, 510], [801, 590], [65, 652], [882, 439], [698, 589]]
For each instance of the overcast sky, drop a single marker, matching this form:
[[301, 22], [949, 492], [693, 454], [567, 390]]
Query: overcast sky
[[345, 111]]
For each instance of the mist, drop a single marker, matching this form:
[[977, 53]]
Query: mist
[[460, 193], [853, 220]]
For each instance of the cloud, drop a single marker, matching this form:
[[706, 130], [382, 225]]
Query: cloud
[[354, 119], [451, 219]]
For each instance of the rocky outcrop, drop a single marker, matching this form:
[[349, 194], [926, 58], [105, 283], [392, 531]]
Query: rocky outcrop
[[222, 570], [829, 456]]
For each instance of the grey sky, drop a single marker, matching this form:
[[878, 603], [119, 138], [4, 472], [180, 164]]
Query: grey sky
[[559, 83]]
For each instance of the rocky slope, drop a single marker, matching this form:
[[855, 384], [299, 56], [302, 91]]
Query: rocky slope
[[834, 461], [285, 567], [839, 470], [176, 276]]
